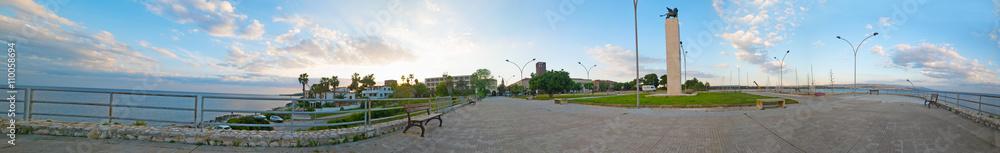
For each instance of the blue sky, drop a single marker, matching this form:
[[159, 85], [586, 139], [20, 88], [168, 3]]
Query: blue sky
[[262, 46]]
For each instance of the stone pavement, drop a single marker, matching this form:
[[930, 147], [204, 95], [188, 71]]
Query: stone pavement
[[840, 123]]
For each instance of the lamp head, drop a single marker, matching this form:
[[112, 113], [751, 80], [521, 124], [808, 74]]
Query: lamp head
[[532, 59], [578, 63], [838, 37], [907, 80], [508, 60], [595, 64], [681, 42], [875, 34], [789, 51]]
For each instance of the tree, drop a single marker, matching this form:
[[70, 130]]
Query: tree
[[481, 79], [695, 85], [449, 84], [589, 86], [663, 80], [303, 79], [367, 81], [551, 82], [420, 90], [461, 84], [354, 84], [403, 91], [577, 86], [516, 89], [334, 82], [651, 79], [442, 90], [500, 89], [831, 77]]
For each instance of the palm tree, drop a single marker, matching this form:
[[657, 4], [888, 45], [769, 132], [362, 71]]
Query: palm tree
[[303, 79]]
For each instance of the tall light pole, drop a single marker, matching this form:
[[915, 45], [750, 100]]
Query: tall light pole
[[856, 58], [911, 84], [521, 69], [738, 84], [635, 18], [781, 68], [588, 70], [511, 77]]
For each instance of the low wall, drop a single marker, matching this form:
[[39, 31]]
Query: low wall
[[208, 136], [976, 117]]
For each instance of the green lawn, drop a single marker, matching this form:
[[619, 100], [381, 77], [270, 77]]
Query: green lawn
[[700, 99]]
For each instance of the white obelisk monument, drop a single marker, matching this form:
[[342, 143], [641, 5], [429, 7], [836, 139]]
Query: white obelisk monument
[[673, 56]]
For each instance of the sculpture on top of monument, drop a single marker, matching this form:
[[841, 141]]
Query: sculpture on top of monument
[[670, 13]]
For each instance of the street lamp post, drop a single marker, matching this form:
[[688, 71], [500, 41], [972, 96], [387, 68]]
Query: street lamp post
[[635, 18], [521, 69], [856, 58], [781, 68], [588, 69]]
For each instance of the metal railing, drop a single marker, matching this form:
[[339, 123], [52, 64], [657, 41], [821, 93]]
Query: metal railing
[[438, 104], [980, 103]]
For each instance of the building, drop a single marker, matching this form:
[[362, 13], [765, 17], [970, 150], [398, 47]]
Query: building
[[389, 82], [333, 94], [377, 92], [581, 82], [539, 68], [433, 82], [610, 84]]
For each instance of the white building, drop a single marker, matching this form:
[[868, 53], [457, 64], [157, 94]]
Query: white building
[[433, 82], [333, 94], [377, 92]]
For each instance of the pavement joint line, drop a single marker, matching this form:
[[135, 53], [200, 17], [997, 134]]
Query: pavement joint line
[[772, 132], [871, 126]]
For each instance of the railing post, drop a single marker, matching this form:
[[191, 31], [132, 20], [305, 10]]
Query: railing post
[[980, 104], [368, 114], [27, 104], [199, 111], [295, 103], [111, 109]]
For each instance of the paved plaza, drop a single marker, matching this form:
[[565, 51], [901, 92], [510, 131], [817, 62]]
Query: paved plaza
[[836, 123]]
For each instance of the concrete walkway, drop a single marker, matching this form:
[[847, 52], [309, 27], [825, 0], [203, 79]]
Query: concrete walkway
[[841, 123]]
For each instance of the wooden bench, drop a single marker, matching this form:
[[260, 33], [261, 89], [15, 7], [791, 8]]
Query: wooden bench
[[779, 101], [472, 101], [560, 100], [412, 110], [933, 100], [873, 92]]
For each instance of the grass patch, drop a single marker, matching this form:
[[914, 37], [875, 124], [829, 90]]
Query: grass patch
[[701, 99]]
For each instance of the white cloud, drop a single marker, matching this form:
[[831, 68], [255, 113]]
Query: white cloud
[[943, 62], [158, 50], [869, 26], [757, 25], [819, 42], [722, 65], [431, 6], [319, 46], [877, 50], [723, 53], [620, 61], [885, 21], [693, 74], [63, 44], [215, 17], [194, 30]]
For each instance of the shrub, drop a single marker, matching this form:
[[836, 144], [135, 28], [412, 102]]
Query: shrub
[[249, 120], [139, 123]]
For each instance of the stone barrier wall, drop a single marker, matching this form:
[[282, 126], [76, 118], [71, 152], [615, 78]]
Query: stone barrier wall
[[209, 136], [976, 117]]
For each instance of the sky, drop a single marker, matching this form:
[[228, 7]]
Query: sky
[[261, 47]]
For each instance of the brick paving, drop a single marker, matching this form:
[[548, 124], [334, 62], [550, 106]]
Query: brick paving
[[839, 123]]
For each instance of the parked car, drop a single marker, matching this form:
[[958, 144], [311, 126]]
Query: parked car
[[277, 119], [260, 116], [222, 127]]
